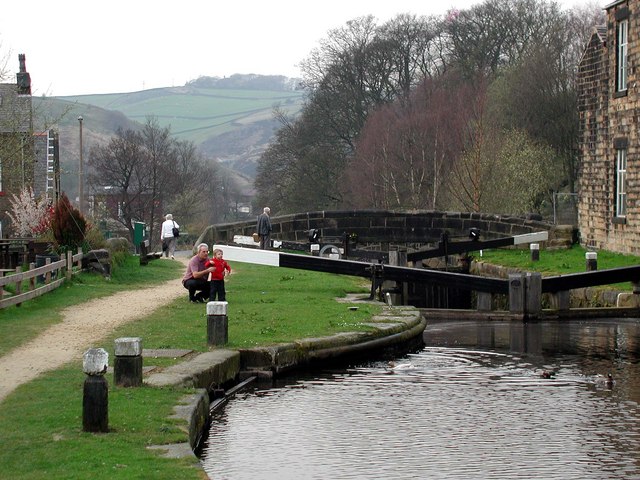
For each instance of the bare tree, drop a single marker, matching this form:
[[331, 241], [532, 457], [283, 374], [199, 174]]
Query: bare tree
[[120, 167]]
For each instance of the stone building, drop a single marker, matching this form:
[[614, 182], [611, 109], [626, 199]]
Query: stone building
[[27, 158], [609, 107]]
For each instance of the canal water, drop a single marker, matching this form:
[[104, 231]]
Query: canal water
[[472, 404]]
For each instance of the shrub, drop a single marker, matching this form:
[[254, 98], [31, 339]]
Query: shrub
[[69, 226]]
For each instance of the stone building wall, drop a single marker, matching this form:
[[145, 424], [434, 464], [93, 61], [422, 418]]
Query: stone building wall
[[609, 119]]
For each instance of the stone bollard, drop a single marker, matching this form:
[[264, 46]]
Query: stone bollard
[[217, 323], [95, 398], [127, 367], [592, 261], [315, 249], [535, 252]]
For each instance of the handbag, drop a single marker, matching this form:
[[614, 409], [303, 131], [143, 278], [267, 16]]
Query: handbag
[[175, 230]]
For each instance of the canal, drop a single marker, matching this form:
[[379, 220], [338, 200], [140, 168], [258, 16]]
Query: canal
[[473, 403]]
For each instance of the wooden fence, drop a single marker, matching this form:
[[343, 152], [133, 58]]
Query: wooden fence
[[29, 278]]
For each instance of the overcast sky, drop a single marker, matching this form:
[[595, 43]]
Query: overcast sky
[[75, 47]]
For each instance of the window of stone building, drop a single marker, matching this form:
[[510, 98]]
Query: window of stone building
[[621, 55], [621, 182]]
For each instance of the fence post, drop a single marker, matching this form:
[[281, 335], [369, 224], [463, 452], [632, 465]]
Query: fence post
[[18, 284], [32, 280], [80, 258], [69, 264], [47, 276]]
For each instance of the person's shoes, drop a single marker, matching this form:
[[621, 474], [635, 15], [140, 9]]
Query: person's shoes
[[172, 257], [201, 298], [193, 300]]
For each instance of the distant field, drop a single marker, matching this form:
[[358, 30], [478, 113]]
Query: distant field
[[196, 114]]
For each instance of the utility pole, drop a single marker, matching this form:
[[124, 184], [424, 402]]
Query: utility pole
[[80, 176]]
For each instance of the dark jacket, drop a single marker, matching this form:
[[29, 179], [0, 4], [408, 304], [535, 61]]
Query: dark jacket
[[264, 224]]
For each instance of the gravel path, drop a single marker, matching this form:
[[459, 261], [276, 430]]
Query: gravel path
[[83, 326]]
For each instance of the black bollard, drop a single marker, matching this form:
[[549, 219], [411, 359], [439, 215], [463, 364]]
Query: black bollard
[[95, 398], [592, 261], [127, 367], [217, 323], [535, 251]]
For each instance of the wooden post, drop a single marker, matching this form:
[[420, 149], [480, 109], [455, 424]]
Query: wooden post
[[592, 261], [18, 284], [32, 280], [516, 292], [217, 323], [69, 264], [95, 399], [533, 294], [560, 300], [127, 367], [484, 301], [47, 276], [144, 260]]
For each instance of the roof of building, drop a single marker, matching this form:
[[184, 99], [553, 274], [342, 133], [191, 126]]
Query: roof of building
[[613, 4]]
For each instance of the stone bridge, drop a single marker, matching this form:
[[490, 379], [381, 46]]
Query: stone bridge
[[393, 228]]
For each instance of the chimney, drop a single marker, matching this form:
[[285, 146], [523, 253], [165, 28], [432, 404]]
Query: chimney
[[23, 78]]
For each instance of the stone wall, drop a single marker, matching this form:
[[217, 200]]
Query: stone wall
[[389, 227], [609, 119]]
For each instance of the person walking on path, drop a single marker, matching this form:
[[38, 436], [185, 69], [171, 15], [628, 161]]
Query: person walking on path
[[167, 237], [196, 277], [221, 268], [264, 228]]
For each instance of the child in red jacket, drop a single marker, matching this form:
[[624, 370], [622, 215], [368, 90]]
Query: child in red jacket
[[216, 277]]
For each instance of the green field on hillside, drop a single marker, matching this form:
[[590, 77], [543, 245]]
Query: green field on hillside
[[196, 114]]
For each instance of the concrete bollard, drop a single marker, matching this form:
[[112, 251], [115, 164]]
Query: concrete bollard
[[127, 367], [535, 252], [95, 398], [217, 323], [592, 261], [315, 249]]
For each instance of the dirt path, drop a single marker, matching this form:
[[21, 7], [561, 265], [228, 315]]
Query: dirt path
[[83, 326]]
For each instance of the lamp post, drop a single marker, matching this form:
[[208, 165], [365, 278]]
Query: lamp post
[[80, 179]]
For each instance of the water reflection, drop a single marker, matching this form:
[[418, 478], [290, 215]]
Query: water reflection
[[471, 404]]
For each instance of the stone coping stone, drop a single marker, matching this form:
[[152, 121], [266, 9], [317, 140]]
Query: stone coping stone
[[165, 352], [145, 370], [202, 371], [391, 321]]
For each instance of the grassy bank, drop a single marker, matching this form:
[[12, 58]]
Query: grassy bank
[[41, 422], [555, 262]]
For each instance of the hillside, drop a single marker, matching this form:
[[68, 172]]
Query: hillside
[[229, 119]]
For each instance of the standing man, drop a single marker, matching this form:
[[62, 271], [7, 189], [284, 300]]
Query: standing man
[[264, 228], [196, 277]]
